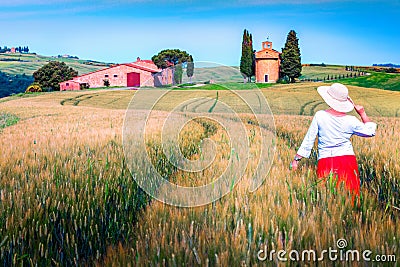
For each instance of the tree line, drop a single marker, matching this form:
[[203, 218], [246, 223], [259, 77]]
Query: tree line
[[18, 49], [335, 77]]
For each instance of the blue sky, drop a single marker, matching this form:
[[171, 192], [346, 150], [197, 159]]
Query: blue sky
[[331, 31]]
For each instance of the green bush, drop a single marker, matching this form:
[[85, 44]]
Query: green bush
[[284, 80]]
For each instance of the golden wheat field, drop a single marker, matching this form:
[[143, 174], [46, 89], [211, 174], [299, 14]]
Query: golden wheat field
[[67, 196]]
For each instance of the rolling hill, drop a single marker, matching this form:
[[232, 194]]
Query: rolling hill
[[18, 63], [27, 64], [16, 69]]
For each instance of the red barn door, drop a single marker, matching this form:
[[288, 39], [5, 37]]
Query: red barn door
[[133, 79]]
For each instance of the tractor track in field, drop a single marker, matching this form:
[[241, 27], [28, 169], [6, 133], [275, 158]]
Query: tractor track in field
[[119, 98], [76, 100], [184, 107], [193, 109], [305, 105], [62, 102], [202, 103], [312, 111]]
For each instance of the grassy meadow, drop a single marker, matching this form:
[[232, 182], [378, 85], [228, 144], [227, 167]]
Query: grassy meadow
[[67, 196], [387, 81], [381, 80]]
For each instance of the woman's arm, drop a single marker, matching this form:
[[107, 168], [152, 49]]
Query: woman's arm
[[307, 144], [361, 111], [367, 128]]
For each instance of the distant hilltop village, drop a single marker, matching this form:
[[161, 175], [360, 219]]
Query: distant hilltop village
[[25, 49], [14, 50], [387, 65], [65, 56]]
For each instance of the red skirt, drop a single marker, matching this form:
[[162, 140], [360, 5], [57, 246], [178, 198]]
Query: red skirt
[[345, 168]]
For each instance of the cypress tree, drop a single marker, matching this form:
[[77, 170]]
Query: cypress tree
[[190, 68], [178, 74], [246, 61], [291, 58], [251, 52]]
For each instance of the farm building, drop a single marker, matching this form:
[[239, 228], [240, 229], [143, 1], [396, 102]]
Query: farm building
[[267, 64], [70, 85], [135, 74]]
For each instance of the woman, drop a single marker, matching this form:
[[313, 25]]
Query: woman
[[334, 129]]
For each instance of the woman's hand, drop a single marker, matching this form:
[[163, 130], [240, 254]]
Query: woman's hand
[[361, 111], [294, 165]]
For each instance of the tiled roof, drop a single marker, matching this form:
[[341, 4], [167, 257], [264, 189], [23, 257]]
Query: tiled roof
[[141, 67]]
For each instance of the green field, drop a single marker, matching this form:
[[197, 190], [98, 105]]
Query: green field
[[387, 81], [380, 80]]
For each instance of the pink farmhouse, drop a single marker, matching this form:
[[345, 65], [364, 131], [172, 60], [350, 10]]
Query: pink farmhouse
[[135, 74]]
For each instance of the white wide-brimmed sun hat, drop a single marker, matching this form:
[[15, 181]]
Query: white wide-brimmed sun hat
[[337, 97]]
